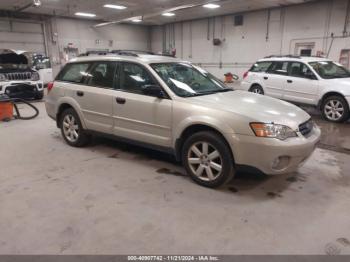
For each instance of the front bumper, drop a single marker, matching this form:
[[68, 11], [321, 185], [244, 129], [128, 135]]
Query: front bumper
[[272, 156], [22, 89]]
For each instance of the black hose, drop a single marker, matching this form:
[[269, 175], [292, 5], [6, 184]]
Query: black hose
[[18, 114]]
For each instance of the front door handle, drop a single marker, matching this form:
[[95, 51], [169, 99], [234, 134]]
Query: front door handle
[[120, 100], [265, 77], [80, 93], [289, 81]]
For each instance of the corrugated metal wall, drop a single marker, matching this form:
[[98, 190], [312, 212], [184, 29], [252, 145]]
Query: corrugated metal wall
[[28, 36]]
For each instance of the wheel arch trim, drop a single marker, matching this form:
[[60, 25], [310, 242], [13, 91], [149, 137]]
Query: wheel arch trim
[[328, 94], [200, 125], [72, 103]]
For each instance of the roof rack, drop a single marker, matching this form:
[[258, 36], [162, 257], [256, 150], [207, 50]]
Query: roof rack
[[131, 52], [134, 53], [281, 56], [88, 53]]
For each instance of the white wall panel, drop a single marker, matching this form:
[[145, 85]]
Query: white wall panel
[[288, 27]]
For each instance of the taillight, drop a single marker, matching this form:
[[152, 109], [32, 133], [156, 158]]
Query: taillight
[[245, 74], [49, 86]]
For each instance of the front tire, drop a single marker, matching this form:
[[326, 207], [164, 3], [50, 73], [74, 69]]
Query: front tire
[[207, 159], [72, 130], [335, 109]]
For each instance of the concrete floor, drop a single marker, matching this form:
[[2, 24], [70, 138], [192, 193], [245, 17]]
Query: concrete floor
[[112, 198]]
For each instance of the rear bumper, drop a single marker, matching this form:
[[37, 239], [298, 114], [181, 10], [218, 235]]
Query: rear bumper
[[264, 154], [244, 86], [22, 89], [50, 108]]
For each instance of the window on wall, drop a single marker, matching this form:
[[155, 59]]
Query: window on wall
[[102, 74], [238, 20], [74, 72]]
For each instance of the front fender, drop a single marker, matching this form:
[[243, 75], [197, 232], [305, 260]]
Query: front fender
[[211, 122]]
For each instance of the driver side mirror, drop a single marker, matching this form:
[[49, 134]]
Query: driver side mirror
[[153, 90]]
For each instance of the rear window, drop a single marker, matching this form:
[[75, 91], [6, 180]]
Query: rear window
[[261, 66], [73, 73]]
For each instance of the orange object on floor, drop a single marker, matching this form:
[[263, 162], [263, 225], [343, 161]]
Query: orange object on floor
[[6, 111], [228, 78]]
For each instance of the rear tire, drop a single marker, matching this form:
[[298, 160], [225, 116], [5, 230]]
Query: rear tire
[[335, 109], [257, 89], [207, 159], [72, 129]]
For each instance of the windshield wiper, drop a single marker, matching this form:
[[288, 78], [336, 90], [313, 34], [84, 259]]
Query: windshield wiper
[[209, 92], [224, 90], [215, 91]]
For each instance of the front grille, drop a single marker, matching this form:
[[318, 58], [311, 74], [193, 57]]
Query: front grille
[[306, 128], [18, 76], [21, 91]]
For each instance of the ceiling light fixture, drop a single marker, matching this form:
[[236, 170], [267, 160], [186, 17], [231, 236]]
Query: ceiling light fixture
[[211, 6], [119, 7], [168, 14], [85, 14], [137, 20]]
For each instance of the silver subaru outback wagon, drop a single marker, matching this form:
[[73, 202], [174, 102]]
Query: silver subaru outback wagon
[[176, 107]]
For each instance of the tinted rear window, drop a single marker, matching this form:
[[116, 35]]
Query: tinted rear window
[[74, 72], [261, 66]]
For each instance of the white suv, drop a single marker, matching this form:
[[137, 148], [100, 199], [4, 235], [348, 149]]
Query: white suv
[[173, 106], [17, 79], [305, 80]]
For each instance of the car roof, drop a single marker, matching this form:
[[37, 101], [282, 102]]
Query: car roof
[[305, 59], [140, 58]]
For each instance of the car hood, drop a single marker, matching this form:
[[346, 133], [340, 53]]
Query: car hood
[[255, 108], [9, 56]]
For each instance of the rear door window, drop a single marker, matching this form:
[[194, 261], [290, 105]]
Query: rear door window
[[261, 66], [278, 68], [102, 74], [74, 73]]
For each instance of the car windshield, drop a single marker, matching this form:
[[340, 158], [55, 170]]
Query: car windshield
[[330, 70], [41, 62], [188, 80]]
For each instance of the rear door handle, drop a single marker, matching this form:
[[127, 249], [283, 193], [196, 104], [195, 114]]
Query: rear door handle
[[289, 81], [80, 93], [120, 100], [265, 77]]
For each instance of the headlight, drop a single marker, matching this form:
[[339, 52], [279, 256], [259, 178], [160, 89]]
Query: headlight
[[35, 76], [272, 130], [3, 77]]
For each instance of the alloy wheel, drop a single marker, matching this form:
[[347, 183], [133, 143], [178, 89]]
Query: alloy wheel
[[257, 90], [205, 161], [70, 128], [334, 110]]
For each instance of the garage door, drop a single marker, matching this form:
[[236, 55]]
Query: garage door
[[26, 36]]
